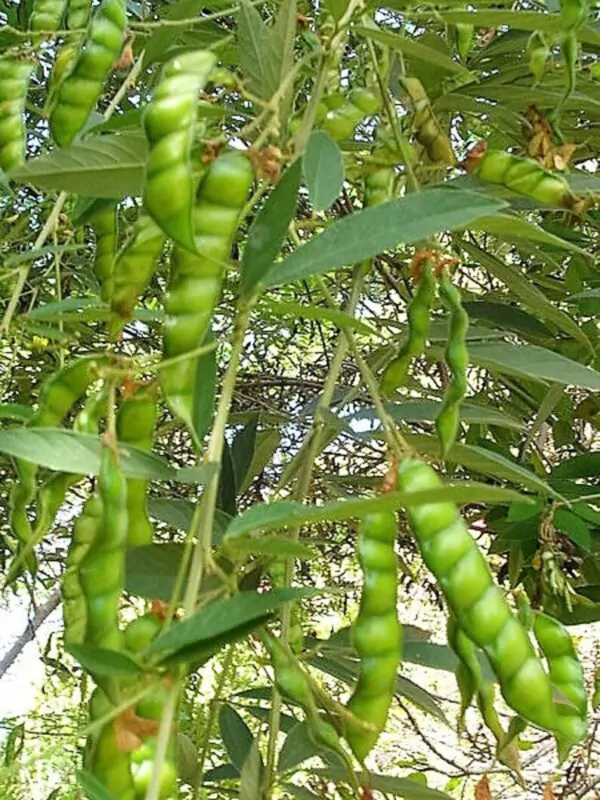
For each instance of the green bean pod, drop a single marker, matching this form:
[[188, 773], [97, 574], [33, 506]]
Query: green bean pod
[[63, 63], [102, 571], [79, 91], [133, 270], [14, 81], [135, 426], [468, 670], [457, 358], [196, 279], [377, 634], [170, 123], [78, 14], [378, 186], [104, 225], [418, 312], [110, 765], [428, 131], [525, 176], [566, 674], [477, 603], [85, 531], [465, 33], [47, 15], [341, 122], [57, 397], [538, 51], [569, 47]]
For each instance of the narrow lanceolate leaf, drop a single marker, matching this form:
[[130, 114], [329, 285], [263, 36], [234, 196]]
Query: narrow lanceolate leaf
[[92, 787], [258, 52], [269, 229], [102, 166], [530, 361], [236, 735], [323, 170], [367, 233], [99, 661], [283, 513], [414, 49]]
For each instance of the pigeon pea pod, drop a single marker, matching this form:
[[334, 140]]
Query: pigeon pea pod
[[418, 312], [428, 131], [135, 426], [14, 80], [78, 13], [477, 603], [196, 278], [104, 225], [377, 633], [170, 122], [79, 91], [47, 15], [104, 758], [341, 122], [133, 270], [457, 358], [102, 571], [378, 186]]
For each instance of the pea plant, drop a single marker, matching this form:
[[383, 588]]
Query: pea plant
[[299, 307]]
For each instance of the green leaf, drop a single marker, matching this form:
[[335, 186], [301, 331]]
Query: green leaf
[[323, 170], [526, 293], [205, 390], [427, 411], [270, 546], [574, 527], [368, 233], [258, 54], [396, 787], [338, 318], [267, 442], [585, 465], [509, 317], [15, 411], [223, 772], [151, 571], [242, 451], [269, 229], [413, 49], [337, 8], [530, 361], [236, 735], [102, 166], [226, 493], [483, 461], [297, 748], [99, 661], [284, 513], [250, 776], [514, 229], [92, 786], [222, 617]]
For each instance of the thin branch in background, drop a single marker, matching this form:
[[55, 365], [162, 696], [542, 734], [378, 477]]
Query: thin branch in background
[[33, 625]]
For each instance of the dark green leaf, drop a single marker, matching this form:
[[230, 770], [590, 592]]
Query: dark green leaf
[[92, 787], [396, 787], [15, 411], [269, 229], [227, 480], [574, 527], [98, 661], [242, 452], [204, 393], [236, 735]]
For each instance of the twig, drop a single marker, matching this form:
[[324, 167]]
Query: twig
[[42, 613]]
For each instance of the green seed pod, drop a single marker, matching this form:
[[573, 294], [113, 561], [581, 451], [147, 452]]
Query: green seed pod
[[525, 176], [79, 91], [104, 759], [196, 279], [476, 602], [85, 531], [14, 80], [566, 672], [133, 270], [378, 186], [468, 671], [377, 633], [138, 635], [396, 372], [457, 358], [539, 53], [170, 122], [135, 426], [340, 122], [569, 47], [464, 39], [428, 131], [142, 767], [47, 15], [78, 14], [102, 571], [57, 397], [104, 225]]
